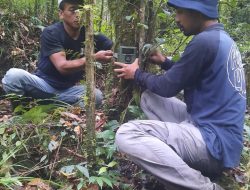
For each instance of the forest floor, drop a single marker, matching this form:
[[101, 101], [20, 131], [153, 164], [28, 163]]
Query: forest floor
[[43, 160]]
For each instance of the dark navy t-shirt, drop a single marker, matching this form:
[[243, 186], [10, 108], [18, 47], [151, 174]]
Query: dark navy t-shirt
[[54, 39], [211, 74]]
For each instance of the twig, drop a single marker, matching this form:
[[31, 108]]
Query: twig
[[53, 164], [35, 169], [180, 44], [74, 153]]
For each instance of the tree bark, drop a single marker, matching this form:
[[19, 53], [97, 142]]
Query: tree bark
[[89, 100], [101, 16], [36, 8], [124, 15], [142, 30], [151, 22]]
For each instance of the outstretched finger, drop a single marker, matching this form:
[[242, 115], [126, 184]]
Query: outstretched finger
[[109, 53], [119, 64], [121, 75], [119, 70], [109, 57]]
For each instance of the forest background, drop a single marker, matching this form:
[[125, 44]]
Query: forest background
[[42, 142]]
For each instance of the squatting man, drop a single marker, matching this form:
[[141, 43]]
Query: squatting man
[[185, 143], [61, 61]]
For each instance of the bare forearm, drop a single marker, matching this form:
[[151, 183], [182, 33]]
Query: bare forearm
[[72, 66], [66, 67]]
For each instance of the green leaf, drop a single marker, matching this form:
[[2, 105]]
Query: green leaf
[[12, 136], [83, 170], [162, 15], [112, 164], [107, 181], [128, 18], [81, 184], [100, 151], [2, 130], [68, 169], [37, 114], [63, 133], [110, 151], [43, 158], [142, 25], [160, 40], [20, 109], [112, 125], [98, 65], [247, 129], [106, 135], [102, 170], [18, 143], [92, 179], [53, 145], [176, 57], [135, 111], [99, 181]]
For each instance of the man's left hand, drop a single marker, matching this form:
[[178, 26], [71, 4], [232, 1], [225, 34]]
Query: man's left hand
[[103, 56], [127, 71]]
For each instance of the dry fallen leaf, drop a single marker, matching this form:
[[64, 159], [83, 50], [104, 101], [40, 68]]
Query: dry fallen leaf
[[71, 116], [17, 51], [68, 124], [4, 118], [39, 184], [92, 187], [77, 130]]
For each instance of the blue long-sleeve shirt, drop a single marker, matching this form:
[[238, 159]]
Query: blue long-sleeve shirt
[[211, 73]]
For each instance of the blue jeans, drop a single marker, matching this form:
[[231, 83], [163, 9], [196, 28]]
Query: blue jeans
[[21, 82]]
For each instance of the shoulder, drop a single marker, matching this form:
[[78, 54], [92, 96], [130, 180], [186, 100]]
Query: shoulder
[[100, 37], [54, 29], [210, 37], [204, 43], [102, 42]]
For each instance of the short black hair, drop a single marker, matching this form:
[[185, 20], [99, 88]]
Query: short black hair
[[74, 2]]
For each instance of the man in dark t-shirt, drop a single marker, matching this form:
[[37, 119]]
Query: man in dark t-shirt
[[61, 60]]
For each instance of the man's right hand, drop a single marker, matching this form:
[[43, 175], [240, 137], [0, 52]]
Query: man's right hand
[[157, 58], [103, 56]]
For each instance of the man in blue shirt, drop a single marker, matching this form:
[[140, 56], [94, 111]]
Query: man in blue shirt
[[61, 60], [184, 142]]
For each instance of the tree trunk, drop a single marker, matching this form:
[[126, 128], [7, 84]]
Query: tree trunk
[[101, 17], [36, 6], [50, 10], [142, 30], [151, 22], [124, 15], [90, 86], [125, 28]]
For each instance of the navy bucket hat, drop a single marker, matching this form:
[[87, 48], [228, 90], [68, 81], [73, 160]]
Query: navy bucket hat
[[206, 7]]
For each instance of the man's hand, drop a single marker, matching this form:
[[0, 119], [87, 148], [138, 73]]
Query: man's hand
[[127, 71], [157, 58], [103, 56]]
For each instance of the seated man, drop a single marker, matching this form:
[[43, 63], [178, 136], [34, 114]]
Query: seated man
[[61, 60], [184, 143]]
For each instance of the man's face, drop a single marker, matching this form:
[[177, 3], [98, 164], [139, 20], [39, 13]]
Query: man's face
[[70, 16], [190, 22]]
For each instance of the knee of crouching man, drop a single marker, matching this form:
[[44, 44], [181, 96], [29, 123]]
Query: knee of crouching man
[[13, 75], [99, 98], [122, 138]]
